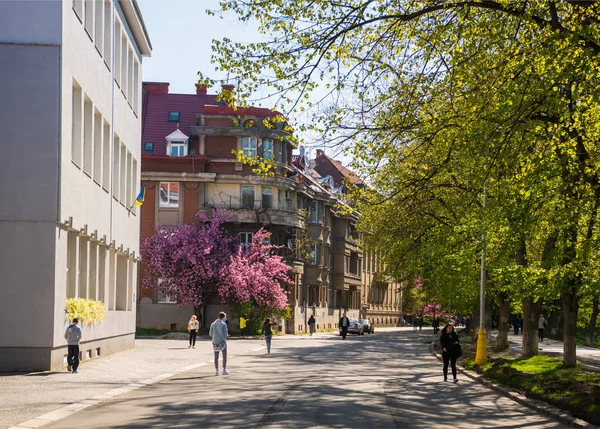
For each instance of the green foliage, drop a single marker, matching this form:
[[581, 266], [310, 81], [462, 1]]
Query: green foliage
[[86, 310], [262, 166], [256, 315]]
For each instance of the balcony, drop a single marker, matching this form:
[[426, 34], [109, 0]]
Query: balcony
[[254, 211]]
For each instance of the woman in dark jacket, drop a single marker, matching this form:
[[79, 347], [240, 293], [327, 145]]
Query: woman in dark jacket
[[449, 343]]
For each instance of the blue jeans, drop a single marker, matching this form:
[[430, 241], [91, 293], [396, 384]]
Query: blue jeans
[[268, 341]]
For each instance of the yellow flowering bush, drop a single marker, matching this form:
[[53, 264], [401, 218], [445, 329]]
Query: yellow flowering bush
[[86, 310]]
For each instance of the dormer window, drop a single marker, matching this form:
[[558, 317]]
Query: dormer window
[[177, 144]]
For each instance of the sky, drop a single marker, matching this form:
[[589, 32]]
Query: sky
[[181, 33]]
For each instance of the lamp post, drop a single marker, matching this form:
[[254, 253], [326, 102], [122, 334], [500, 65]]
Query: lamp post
[[481, 352]]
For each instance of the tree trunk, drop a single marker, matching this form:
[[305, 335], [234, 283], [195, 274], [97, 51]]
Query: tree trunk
[[591, 331], [531, 314], [570, 308], [503, 327]]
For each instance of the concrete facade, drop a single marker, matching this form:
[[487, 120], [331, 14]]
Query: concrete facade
[[72, 99]]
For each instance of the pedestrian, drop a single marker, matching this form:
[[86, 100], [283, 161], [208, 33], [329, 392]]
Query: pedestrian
[[268, 333], [311, 324], [219, 333], [193, 326], [344, 323], [436, 325], [420, 319], [73, 337], [449, 344], [541, 327], [516, 324], [242, 325]]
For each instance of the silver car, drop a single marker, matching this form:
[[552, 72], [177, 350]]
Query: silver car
[[356, 327]]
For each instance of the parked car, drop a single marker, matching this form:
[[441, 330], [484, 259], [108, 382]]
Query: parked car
[[367, 327], [356, 327]]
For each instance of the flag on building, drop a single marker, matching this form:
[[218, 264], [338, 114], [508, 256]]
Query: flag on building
[[140, 198]]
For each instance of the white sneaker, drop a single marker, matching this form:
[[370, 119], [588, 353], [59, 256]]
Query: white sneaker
[[217, 373], [225, 372]]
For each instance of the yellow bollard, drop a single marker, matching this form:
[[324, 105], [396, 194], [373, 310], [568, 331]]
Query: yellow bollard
[[481, 353]]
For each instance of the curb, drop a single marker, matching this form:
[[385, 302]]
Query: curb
[[534, 404]]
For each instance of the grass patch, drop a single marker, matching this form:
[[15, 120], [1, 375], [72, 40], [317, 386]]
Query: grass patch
[[547, 379]]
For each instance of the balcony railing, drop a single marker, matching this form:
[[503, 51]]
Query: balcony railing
[[233, 203]]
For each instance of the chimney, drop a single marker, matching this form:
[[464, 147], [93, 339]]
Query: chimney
[[156, 87], [320, 152], [201, 89], [228, 87]]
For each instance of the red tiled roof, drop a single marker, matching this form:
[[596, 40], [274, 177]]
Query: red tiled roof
[[155, 124], [261, 112], [327, 166]]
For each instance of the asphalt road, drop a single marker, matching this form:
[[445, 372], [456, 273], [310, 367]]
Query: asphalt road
[[388, 380]]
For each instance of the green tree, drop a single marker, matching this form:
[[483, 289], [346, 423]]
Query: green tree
[[439, 100]]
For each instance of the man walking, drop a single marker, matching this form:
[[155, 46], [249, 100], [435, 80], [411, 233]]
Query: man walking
[[344, 323], [242, 325], [218, 332], [73, 337]]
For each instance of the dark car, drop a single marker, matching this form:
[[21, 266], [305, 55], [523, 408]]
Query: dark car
[[367, 327], [355, 327]]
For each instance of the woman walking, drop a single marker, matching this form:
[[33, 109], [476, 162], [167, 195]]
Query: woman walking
[[193, 326], [449, 344], [311, 324], [268, 333]]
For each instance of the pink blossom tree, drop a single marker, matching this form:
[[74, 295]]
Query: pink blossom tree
[[189, 262], [254, 281]]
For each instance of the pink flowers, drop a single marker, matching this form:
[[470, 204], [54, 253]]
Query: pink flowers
[[200, 264]]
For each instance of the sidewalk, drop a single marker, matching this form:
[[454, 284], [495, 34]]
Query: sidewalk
[[34, 399]]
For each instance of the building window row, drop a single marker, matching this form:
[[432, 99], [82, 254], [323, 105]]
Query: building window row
[[127, 67], [125, 175], [90, 138], [95, 16], [267, 148], [96, 272]]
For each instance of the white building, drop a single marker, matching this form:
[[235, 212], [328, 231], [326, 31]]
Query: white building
[[70, 103]]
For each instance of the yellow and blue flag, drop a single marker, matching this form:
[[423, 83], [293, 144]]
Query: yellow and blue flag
[[140, 198]]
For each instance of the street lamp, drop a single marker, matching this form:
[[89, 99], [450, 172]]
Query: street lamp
[[481, 352]]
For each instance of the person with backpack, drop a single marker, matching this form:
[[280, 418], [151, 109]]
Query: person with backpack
[[451, 350]]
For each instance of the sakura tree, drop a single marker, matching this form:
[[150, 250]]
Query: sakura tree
[[254, 281], [189, 262]]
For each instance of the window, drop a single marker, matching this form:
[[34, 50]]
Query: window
[[78, 8], [177, 149], [249, 146], [77, 124], [148, 146], [107, 33], [117, 53], [89, 18], [246, 239], [98, 17], [163, 298], [98, 133], [314, 211], [173, 116], [88, 133], [267, 198], [117, 168], [248, 197], [169, 195], [106, 157], [313, 254], [267, 149]]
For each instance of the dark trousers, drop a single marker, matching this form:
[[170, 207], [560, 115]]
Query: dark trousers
[[243, 331], [193, 335], [344, 331], [73, 357], [516, 327], [541, 334], [435, 329], [449, 359], [224, 359]]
